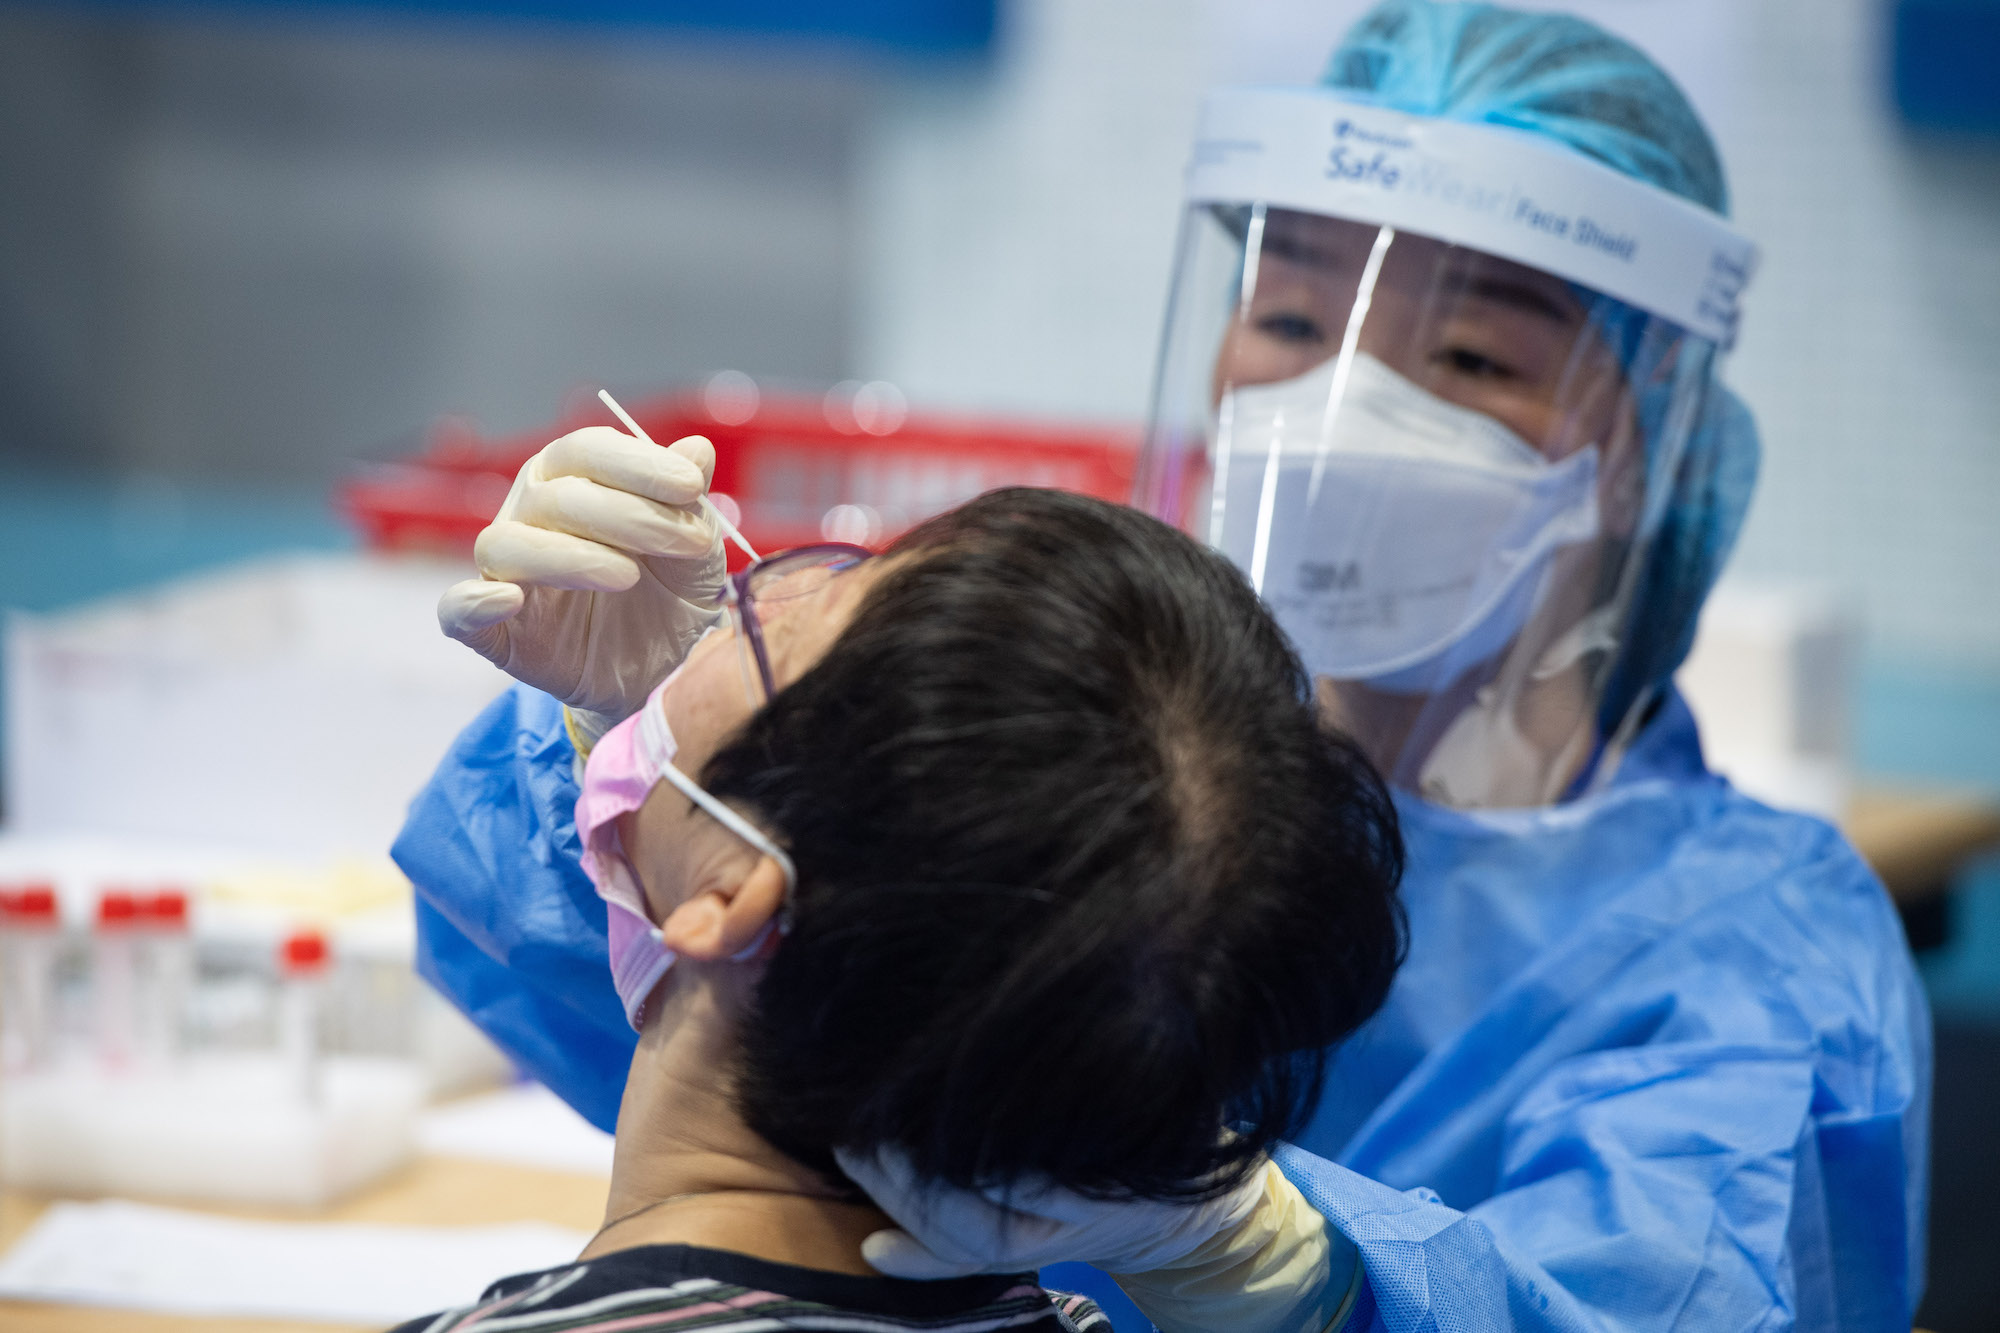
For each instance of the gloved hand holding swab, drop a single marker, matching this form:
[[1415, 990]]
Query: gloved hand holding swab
[[638, 432], [603, 566]]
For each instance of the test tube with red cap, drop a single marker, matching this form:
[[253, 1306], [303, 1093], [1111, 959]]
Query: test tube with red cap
[[113, 952], [302, 965], [167, 972], [30, 935]]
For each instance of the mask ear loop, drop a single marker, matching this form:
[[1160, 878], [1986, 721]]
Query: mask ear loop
[[743, 829]]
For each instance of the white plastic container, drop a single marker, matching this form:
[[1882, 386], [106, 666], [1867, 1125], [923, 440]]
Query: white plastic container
[[247, 734], [1770, 679], [224, 1129], [287, 708]]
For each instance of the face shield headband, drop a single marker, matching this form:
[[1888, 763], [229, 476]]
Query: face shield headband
[[1500, 191]]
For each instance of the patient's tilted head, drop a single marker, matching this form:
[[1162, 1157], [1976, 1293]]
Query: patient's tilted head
[[1081, 879]]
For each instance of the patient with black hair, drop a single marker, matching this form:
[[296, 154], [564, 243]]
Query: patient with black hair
[[1050, 879]]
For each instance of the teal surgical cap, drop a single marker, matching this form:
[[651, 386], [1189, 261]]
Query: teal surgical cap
[[1551, 74], [1568, 80]]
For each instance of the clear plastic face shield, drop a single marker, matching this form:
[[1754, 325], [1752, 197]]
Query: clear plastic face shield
[[1429, 385]]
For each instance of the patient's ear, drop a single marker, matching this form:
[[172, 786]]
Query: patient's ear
[[718, 924]]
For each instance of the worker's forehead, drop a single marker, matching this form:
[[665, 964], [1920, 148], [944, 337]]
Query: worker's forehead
[[1338, 249]]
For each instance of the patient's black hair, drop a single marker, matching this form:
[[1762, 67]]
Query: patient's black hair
[[1082, 879]]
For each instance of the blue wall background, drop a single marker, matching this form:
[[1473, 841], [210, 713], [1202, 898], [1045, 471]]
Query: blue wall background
[[912, 27]]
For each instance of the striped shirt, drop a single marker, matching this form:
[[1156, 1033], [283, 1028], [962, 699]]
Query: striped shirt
[[683, 1287]]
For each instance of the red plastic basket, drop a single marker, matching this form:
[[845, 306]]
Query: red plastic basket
[[797, 469]]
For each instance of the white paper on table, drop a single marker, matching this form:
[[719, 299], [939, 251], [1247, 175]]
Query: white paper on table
[[140, 1257], [526, 1125]]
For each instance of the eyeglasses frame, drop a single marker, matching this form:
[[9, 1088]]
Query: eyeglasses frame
[[737, 595]]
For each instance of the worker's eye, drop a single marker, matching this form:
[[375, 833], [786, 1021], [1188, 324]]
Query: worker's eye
[[1291, 328], [1474, 365]]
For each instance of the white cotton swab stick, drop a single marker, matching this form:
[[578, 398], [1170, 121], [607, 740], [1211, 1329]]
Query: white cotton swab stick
[[728, 528]]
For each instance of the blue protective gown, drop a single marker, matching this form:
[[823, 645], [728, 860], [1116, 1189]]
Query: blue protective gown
[[1658, 1058]]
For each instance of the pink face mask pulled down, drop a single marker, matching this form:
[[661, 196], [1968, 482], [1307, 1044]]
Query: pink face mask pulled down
[[623, 768]]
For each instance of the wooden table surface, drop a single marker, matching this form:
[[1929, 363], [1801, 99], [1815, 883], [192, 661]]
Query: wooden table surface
[[433, 1191], [1918, 841]]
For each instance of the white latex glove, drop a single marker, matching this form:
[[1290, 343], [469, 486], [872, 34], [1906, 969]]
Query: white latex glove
[[949, 1232], [600, 571], [1258, 1259]]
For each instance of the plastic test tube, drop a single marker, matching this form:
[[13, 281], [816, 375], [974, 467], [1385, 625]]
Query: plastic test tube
[[112, 963], [302, 962], [164, 980], [30, 934]]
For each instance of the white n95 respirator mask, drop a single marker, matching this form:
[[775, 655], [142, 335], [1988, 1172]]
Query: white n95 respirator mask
[[1400, 540]]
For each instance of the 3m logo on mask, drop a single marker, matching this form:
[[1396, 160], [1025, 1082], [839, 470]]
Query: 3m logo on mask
[[1341, 576]]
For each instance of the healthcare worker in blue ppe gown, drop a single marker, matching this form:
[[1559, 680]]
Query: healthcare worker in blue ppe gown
[[1441, 374]]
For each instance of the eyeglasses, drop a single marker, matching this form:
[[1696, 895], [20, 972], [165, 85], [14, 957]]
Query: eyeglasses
[[773, 581]]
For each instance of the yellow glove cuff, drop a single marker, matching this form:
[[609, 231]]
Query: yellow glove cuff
[[584, 729], [576, 737], [1282, 1270]]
